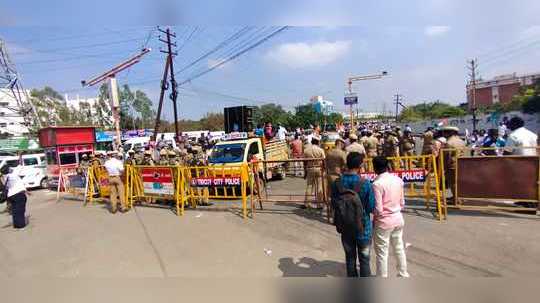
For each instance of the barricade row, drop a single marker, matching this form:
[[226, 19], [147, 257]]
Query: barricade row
[[471, 178]]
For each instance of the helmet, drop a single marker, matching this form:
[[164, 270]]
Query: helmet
[[172, 153], [148, 153], [163, 152]]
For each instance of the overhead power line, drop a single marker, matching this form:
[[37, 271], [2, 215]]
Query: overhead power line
[[222, 44], [234, 56]]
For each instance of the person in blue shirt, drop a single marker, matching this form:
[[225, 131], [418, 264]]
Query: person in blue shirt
[[493, 140], [357, 245]]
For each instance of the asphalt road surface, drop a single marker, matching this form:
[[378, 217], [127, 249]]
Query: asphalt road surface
[[67, 239]]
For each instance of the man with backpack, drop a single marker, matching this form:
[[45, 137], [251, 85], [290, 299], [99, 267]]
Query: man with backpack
[[353, 201]]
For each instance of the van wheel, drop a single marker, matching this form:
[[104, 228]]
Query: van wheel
[[44, 183]]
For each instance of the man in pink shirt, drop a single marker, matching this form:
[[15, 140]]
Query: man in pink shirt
[[388, 220]]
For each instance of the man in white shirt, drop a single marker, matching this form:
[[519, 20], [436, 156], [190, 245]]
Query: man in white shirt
[[115, 169], [521, 141], [281, 133], [16, 196]]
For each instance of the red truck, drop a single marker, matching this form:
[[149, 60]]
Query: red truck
[[64, 147]]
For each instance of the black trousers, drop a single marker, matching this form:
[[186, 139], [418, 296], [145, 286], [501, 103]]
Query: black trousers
[[18, 209], [354, 249]]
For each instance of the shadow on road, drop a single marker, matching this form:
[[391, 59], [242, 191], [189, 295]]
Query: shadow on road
[[309, 267]]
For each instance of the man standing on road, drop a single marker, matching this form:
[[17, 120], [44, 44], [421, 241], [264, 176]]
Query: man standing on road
[[355, 146], [521, 141], [297, 152], [115, 168], [388, 220], [314, 169], [371, 144], [336, 161], [356, 240], [457, 149]]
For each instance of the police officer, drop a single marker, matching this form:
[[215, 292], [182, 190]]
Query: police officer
[[336, 160], [130, 160], [457, 149], [427, 146], [313, 168], [163, 160], [139, 157], [354, 146], [173, 158], [371, 145], [147, 159], [407, 144], [83, 164]]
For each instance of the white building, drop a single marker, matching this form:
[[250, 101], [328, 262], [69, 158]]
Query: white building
[[11, 121], [77, 101]]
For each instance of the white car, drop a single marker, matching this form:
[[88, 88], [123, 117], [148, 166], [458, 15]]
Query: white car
[[31, 168]]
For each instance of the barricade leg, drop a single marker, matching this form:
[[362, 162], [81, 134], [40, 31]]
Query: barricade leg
[[437, 191]]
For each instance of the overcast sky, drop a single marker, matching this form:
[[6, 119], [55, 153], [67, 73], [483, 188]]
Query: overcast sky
[[424, 46]]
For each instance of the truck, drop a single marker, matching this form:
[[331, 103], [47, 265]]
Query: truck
[[236, 149]]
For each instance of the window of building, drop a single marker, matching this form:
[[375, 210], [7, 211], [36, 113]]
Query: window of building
[[4, 103], [3, 124], [2, 114]]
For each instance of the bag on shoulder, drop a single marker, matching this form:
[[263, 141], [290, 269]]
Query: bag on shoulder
[[348, 209]]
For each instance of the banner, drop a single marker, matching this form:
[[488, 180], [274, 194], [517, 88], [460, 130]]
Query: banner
[[408, 176], [216, 181], [157, 181]]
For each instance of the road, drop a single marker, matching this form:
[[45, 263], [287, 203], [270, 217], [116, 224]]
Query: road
[[67, 239]]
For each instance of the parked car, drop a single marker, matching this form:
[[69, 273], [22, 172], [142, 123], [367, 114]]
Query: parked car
[[32, 168]]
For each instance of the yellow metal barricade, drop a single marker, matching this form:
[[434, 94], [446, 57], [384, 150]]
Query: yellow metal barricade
[[217, 183], [149, 183], [303, 181], [421, 175]]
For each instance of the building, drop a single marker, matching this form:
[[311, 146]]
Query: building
[[322, 106], [500, 89], [77, 103], [11, 121]]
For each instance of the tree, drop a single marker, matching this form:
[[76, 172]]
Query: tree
[[271, 112], [431, 110], [102, 108]]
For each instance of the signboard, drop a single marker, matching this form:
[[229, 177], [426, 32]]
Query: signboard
[[408, 176], [351, 99], [104, 136], [157, 181], [235, 136], [216, 181]]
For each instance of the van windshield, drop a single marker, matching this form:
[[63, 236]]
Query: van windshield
[[227, 153]]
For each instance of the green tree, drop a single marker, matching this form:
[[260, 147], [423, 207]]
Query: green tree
[[271, 112], [102, 109]]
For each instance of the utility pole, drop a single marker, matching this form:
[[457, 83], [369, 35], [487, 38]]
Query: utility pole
[[352, 79], [473, 68], [397, 100], [11, 79], [174, 86]]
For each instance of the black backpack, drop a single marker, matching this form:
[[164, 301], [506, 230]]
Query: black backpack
[[348, 209]]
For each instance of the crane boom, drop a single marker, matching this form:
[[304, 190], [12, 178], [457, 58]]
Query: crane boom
[[113, 71], [110, 76]]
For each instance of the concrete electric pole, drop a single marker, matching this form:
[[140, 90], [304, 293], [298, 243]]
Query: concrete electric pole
[[473, 66]]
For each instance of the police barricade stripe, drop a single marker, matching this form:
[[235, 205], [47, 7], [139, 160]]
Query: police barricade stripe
[[421, 176]]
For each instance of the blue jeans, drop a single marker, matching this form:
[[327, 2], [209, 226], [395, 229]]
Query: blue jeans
[[353, 249]]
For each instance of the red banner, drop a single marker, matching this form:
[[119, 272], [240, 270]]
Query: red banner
[[408, 176], [216, 181]]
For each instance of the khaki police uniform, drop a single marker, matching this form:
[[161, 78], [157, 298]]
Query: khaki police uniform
[[457, 147], [371, 146], [314, 171]]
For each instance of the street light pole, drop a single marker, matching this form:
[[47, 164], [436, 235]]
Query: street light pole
[[352, 79]]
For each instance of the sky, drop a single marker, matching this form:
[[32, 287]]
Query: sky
[[423, 45]]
